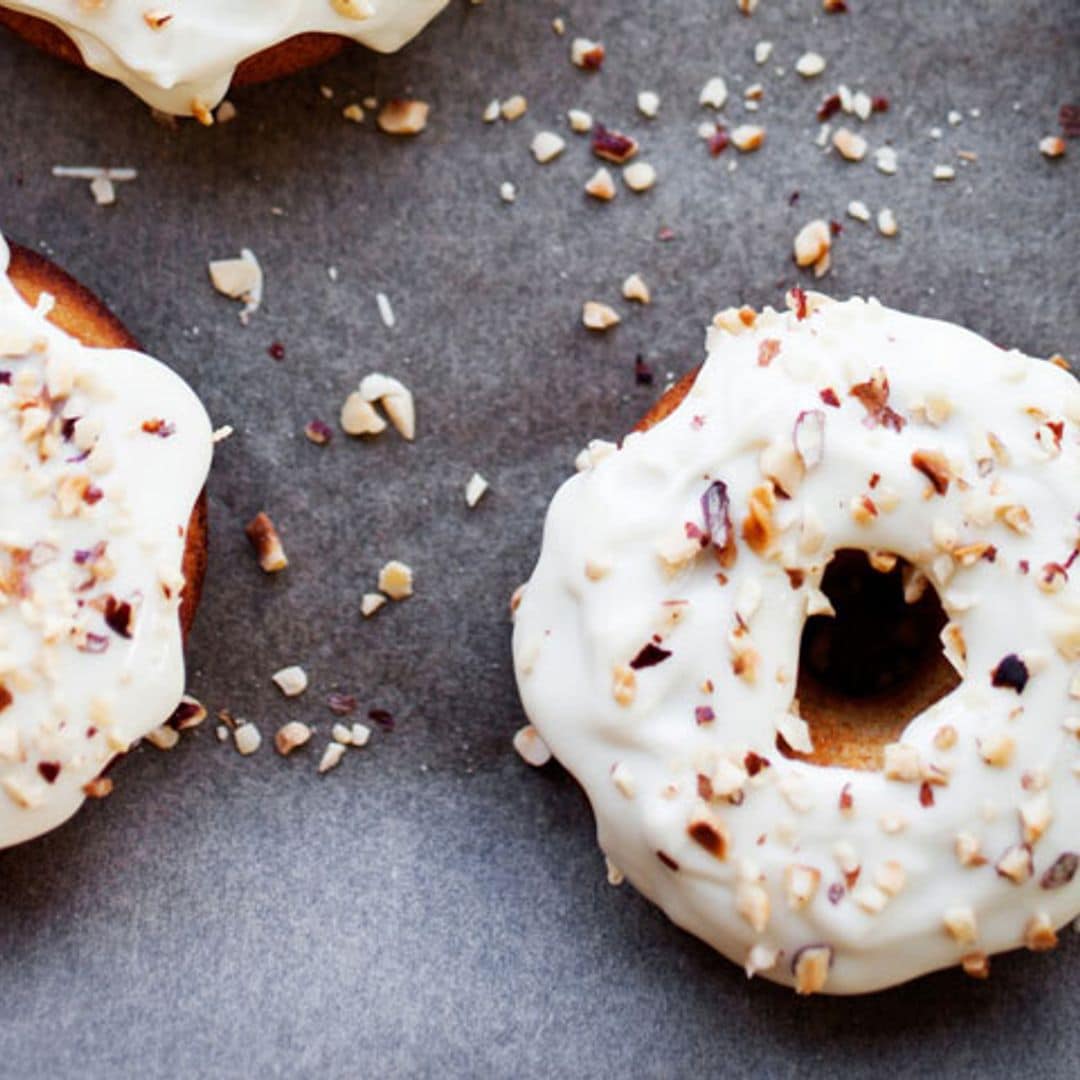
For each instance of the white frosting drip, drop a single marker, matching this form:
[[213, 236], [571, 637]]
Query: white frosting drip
[[597, 597], [63, 668], [193, 56]]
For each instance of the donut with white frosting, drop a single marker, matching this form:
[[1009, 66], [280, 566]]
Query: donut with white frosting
[[103, 455], [657, 646], [181, 57]]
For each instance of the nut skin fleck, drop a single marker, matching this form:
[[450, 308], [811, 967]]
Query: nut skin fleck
[[1011, 673]]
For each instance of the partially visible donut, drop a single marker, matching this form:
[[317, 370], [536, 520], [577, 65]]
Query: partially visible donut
[[839, 848], [185, 63], [112, 663]]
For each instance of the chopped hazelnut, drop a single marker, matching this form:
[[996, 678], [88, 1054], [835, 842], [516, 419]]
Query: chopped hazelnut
[[267, 544], [401, 116], [634, 288], [396, 580], [531, 747], [290, 737], [1039, 935], [547, 146], [601, 185], [291, 681], [597, 316]]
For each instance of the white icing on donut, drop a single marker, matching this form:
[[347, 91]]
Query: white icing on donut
[[192, 56], [617, 568], [89, 510]]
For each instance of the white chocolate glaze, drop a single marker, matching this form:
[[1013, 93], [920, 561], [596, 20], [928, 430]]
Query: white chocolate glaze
[[192, 56], [92, 506], [773, 868]]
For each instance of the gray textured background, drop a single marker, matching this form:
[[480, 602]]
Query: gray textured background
[[434, 907]]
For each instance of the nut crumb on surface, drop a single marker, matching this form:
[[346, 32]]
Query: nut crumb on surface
[[267, 544], [403, 116], [396, 580], [598, 316], [291, 681]]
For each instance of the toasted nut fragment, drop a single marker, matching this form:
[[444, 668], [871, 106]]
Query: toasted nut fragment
[[163, 737], [748, 137], [934, 465], [531, 747], [811, 968], [353, 9], [624, 685], [849, 145], [396, 580], [403, 116], [586, 54], [997, 750], [858, 210], [1052, 146], [1016, 864], [714, 93], [759, 529], [597, 316], [475, 489], [706, 829], [1035, 817], [976, 964], [1039, 935], [190, 713], [358, 417], [634, 288], [513, 108], [291, 681], [886, 222], [961, 926], [267, 544], [580, 121], [945, 737], [290, 737], [370, 603], [752, 903], [812, 243], [648, 103], [967, 850], [801, 885], [547, 146], [810, 65], [639, 176], [98, 788], [902, 762], [1017, 518], [247, 739], [395, 398], [601, 185], [891, 877], [331, 757]]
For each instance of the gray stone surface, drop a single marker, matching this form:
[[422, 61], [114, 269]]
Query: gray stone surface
[[434, 907]]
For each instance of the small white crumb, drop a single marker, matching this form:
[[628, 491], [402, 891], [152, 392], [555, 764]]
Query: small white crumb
[[370, 603], [386, 312], [491, 111], [885, 159], [395, 397], [935, 133], [222, 733], [513, 108], [247, 739], [507, 191], [361, 735], [634, 288], [852, 147], [327, 92], [331, 757], [402, 116], [944, 172], [639, 176], [862, 105], [475, 489], [558, 24], [762, 52], [714, 93], [291, 681], [532, 749], [291, 736], [648, 103], [955, 118], [810, 65], [597, 316], [601, 185], [358, 416], [396, 580], [580, 121], [164, 737], [886, 222], [547, 146], [858, 210], [341, 733], [103, 190]]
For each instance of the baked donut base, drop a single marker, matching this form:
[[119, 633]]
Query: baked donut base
[[847, 732], [277, 62], [82, 315]]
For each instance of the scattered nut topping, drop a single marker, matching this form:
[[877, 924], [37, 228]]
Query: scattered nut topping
[[976, 964], [706, 829], [396, 580], [513, 108], [358, 416], [331, 757], [996, 750], [935, 467], [961, 926], [580, 121], [531, 747], [370, 603], [634, 288], [291, 681], [851, 146], [902, 762], [748, 137], [1016, 864], [267, 544], [239, 279], [1052, 146], [291, 737], [586, 54], [547, 146], [810, 65], [640, 176], [597, 316], [886, 222], [164, 737], [858, 210], [403, 116], [623, 780], [613, 146], [475, 489], [648, 103], [1039, 935], [812, 245], [810, 966], [801, 885], [395, 398], [247, 739], [624, 685]]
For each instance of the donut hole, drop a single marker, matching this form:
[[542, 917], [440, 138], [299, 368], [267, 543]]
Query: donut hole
[[865, 672]]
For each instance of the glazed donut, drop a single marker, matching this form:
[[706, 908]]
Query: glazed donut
[[183, 61], [101, 562], [831, 452]]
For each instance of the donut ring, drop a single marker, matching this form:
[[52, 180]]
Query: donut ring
[[74, 698], [186, 63], [657, 646]]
